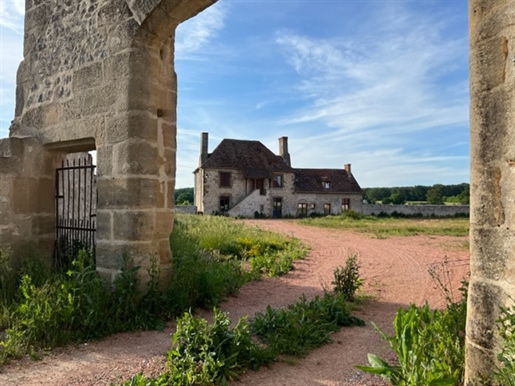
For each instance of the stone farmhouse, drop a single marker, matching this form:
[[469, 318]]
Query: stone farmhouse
[[242, 178]]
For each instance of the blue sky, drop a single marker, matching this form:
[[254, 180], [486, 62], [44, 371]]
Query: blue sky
[[380, 84]]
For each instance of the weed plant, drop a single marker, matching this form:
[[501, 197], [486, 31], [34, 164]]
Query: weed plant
[[346, 278], [387, 227], [504, 375], [207, 355], [429, 344], [304, 325]]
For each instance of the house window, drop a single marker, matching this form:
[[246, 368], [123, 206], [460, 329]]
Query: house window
[[277, 182], [345, 204], [224, 203], [302, 209], [326, 184], [327, 209], [313, 206], [225, 179]]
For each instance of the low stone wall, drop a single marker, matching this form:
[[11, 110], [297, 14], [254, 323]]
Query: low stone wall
[[425, 210], [189, 209]]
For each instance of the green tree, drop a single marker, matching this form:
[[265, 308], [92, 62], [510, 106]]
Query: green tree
[[397, 198], [435, 195], [185, 198]]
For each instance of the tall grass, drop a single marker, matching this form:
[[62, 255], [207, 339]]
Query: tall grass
[[383, 227], [212, 258]]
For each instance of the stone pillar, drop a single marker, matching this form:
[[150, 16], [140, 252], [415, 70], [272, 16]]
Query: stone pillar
[[492, 180], [98, 74]]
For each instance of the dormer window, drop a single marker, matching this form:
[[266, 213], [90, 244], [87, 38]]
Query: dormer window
[[326, 184]]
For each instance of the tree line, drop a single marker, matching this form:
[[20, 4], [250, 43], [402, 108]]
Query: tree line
[[437, 194], [183, 196]]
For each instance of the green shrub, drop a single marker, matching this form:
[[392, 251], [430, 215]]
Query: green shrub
[[304, 325], [207, 355], [504, 375], [346, 279], [429, 347]]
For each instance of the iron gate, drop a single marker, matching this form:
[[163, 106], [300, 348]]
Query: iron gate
[[75, 208]]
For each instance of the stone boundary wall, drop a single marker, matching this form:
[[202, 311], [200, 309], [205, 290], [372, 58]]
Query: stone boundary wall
[[425, 210], [189, 209]]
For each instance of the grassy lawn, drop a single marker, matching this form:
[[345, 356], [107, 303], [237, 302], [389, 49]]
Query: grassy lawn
[[385, 227]]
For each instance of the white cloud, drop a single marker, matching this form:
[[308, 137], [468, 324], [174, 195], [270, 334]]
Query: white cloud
[[196, 33], [11, 15], [374, 97]]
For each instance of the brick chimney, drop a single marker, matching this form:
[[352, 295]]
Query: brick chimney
[[347, 168], [203, 148], [283, 150]]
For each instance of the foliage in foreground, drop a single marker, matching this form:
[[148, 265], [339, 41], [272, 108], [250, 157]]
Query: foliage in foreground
[[41, 308], [304, 325], [346, 278], [383, 227], [204, 354], [504, 375], [429, 344]]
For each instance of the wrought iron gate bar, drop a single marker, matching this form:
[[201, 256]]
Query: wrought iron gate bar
[[75, 209]]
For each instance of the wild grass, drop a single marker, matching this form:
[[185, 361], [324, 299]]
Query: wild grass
[[42, 308], [382, 227]]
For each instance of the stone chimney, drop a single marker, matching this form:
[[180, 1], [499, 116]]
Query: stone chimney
[[203, 148], [283, 150], [347, 168]]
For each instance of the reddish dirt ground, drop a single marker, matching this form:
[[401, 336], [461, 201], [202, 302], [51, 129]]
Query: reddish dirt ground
[[395, 272]]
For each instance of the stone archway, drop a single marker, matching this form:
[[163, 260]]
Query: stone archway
[[98, 74]]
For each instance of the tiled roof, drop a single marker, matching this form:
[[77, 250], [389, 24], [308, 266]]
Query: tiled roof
[[311, 180], [253, 158]]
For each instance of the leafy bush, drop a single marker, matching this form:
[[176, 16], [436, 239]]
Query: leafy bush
[[430, 351], [204, 354], [72, 307], [304, 325], [504, 375], [346, 279], [429, 344]]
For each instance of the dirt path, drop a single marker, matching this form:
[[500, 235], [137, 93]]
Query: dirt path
[[395, 273]]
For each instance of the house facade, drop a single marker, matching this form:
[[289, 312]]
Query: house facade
[[242, 178]]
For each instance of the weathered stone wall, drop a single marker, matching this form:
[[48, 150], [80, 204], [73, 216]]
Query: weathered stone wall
[[99, 74], [188, 209], [424, 210], [492, 177]]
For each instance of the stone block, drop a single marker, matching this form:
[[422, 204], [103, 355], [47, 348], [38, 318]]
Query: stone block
[[482, 313], [118, 66], [133, 225], [169, 134], [104, 160], [88, 77], [487, 207], [25, 195], [43, 224], [135, 157], [490, 257], [492, 55], [135, 124], [113, 13], [124, 193], [489, 18], [104, 222], [163, 225], [109, 255]]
